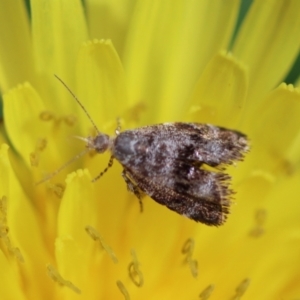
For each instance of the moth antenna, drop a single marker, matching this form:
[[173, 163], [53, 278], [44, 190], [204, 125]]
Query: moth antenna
[[82, 153], [80, 104]]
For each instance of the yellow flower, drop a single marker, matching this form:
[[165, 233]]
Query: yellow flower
[[146, 62]]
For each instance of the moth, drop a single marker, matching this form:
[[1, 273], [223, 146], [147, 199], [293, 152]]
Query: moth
[[179, 165]]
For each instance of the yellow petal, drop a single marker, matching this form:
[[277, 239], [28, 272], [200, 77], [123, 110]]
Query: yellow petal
[[276, 128], [43, 147], [268, 43], [115, 19], [78, 207], [101, 84], [282, 231], [220, 93], [74, 248], [24, 233], [168, 45], [15, 48], [9, 288], [22, 107], [78, 255], [56, 40]]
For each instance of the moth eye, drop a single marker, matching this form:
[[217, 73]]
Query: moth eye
[[100, 143]]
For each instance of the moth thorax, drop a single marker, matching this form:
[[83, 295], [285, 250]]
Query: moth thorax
[[100, 143]]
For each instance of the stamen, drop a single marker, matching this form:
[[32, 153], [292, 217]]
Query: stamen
[[134, 271], [260, 216], [17, 254], [70, 120], [188, 249], [241, 289], [55, 276], [134, 113], [193, 264], [50, 116], [206, 293], [4, 229], [260, 219], [41, 144], [123, 290], [188, 246], [94, 234], [34, 158], [58, 189], [3, 210], [47, 116], [12, 250]]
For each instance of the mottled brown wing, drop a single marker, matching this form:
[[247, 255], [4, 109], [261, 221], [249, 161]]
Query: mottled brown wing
[[195, 193], [166, 162], [196, 142]]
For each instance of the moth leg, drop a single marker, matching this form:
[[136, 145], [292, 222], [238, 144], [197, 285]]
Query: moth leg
[[133, 188], [110, 163]]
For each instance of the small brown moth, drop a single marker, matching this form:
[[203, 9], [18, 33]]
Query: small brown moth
[[167, 162]]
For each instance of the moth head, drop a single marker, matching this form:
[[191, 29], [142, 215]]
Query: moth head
[[100, 143]]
